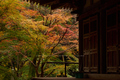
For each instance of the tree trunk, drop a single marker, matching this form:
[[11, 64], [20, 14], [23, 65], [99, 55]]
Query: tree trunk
[[42, 72], [32, 69]]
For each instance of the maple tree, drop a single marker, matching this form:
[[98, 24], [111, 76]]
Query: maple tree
[[29, 39]]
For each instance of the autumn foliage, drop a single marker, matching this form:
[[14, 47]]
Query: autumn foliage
[[31, 37]]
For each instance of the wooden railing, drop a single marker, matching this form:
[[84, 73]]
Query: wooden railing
[[63, 63]]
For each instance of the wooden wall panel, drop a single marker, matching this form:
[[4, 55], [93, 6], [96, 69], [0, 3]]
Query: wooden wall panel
[[90, 39], [109, 38], [113, 39]]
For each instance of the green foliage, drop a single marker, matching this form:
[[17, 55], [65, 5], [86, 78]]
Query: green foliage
[[38, 18], [6, 73], [72, 69]]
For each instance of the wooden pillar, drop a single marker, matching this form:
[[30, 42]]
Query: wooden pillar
[[65, 69], [102, 41], [80, 4], [81, 45]]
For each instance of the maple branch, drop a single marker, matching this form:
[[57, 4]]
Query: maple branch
[[37, 73], [54, 55], [64, 50], [58, 41], [57, 54], [42, 16], [25, 57], [52, 22], [39, 61], [52, 42], [38, 66], [50, 73], [28, 33]]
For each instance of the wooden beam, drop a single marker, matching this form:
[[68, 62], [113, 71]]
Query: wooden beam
[[58, 5], [46, 1], [61, 3], [79, 5], [63, 62], [42, 1], [81, 45]]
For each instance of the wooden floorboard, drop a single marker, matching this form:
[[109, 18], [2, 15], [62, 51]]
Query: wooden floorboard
[[64, 78], [89, 77], [58, 78]]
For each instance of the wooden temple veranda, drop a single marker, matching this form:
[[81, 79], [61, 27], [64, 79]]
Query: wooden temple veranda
[[99, 35]]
